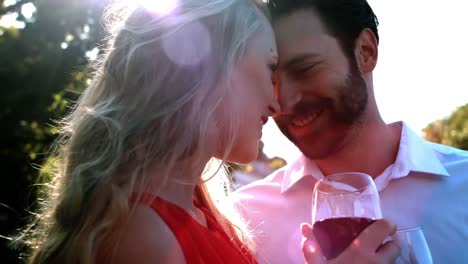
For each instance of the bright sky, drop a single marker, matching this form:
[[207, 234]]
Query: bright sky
[[422, 68]]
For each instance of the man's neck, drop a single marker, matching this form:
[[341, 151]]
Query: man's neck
[[371, 150]]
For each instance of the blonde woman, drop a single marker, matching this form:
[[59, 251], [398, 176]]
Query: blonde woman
[[171, 92]]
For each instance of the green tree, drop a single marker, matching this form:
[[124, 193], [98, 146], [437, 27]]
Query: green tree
[[452, 131], [42, 69]]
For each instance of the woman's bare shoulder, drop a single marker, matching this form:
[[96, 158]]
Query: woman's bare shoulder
[[146, 238]]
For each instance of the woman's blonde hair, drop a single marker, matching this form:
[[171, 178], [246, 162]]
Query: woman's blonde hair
[[154, 97]]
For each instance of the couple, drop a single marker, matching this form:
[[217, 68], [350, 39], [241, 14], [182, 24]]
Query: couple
[[174, 91]]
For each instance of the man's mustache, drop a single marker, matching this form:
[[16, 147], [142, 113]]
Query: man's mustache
[[303, 108]]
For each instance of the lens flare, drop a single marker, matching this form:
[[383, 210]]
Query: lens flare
[[160, 7], [189, 46]]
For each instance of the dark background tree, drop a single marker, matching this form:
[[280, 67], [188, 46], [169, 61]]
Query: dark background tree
[[42, 69], [452, 131]]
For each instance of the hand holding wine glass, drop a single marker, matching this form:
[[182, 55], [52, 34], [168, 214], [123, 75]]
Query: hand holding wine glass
[[366, 248], [344, 205]]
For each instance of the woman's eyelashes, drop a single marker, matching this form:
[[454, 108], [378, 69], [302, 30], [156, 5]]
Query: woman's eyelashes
[[273, 66]]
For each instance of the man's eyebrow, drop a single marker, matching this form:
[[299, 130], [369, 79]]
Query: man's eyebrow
[[299, 59]]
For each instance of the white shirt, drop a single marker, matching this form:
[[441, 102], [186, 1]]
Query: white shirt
[[426, 186]]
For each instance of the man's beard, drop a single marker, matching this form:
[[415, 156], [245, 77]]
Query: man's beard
[[352, 98], [348, 107]]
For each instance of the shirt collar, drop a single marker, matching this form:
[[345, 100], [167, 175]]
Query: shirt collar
[[414, 155], [300, 168]]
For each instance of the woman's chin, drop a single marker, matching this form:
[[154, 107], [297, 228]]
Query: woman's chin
[[243, 157]]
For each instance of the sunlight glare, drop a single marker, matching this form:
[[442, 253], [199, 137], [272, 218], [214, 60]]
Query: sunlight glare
[[311, 248], [8, 3], [189, 46], [9, 20], [92, 54], [28, 10], [160, 7]]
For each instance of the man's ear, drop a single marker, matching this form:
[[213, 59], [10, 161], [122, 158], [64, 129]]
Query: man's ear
[[366, 51]]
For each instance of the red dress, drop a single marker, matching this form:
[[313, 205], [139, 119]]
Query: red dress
[[199, 244]]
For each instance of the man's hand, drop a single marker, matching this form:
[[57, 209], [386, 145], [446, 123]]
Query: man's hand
[[367, 248]]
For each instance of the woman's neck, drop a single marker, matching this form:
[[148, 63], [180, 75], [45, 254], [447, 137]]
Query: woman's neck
[[180, 183]]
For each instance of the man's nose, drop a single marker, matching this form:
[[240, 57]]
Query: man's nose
[[274, 107], [288, 95]]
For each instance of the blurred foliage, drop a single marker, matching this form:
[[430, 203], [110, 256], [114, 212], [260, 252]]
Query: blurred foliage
[[42, 69], [274, 163], [452, 131]]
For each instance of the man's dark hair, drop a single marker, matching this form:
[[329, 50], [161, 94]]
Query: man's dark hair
[[343, 19]]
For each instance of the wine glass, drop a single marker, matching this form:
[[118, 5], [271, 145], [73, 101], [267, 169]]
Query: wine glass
[[344, 205], [414, 248]]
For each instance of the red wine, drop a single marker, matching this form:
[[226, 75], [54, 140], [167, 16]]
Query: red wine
[[334, 235]]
